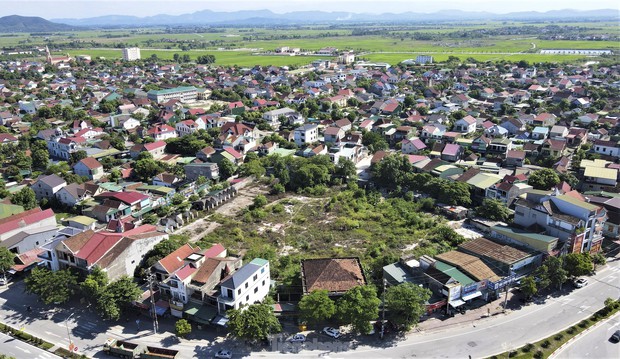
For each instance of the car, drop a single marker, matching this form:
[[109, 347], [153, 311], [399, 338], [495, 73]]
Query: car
[[615, 337], [297, 338], [332, 332], [581, 282], [223, 354], [4, 280]]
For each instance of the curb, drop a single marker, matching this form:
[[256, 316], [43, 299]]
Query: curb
[[576, 337]]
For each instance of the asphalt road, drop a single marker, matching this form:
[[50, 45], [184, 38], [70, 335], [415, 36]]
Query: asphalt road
[[594, 344], [482, 338], [20, 350]]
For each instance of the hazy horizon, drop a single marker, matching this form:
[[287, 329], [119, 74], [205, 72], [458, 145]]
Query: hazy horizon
[[54, 9]]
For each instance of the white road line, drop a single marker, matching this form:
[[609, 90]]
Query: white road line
[[54, 334], [24, 350]]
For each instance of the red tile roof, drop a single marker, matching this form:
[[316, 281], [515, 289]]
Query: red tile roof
[[90, 162], [174, 260], [24, 219]]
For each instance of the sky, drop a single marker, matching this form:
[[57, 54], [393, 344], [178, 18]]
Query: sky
[[53, 9]]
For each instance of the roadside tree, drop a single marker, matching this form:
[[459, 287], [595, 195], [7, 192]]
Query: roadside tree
[[317, 307], [528, 287], [51, 287], [358, 306], [7, 259], [253, 323], [406, 304], [578, 264], [183, 328]]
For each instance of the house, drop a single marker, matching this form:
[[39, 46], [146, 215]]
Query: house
[[432, 132], [205, 154], [208, 170], [305, 134], [29, 239], [558, 132], [161, 132], [47, 186], [596, 178], [286, 114], [248, 285], [515, 158], [513, 125], [118, 254], [466, 124], [412, 146], [540, 133], [544, 120], [34, 218], [496, 131], [166, 179], [553, 148], [90, 168], [187, 127], [578, 224], [333, 134], [505, 259], [156, 149], [336, 275], [72, 194], [607, 148], [506, 191], [451, 152]]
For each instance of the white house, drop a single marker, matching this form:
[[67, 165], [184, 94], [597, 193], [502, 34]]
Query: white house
[[465, 125], [607, 148], [186, 127], [90, 168], [47, 186], [248, 285], [306, 134]]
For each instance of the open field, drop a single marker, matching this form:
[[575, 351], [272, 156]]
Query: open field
[[395, 58]]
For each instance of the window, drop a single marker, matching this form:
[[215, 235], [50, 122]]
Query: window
[[247, 298], [255, 276], [238, 291], [246, 285], [255, 290], [262, 270], [263, 283]]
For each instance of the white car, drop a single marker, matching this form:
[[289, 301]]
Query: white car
[[298, 338], [332, 332], [581, 282], [223, 354]]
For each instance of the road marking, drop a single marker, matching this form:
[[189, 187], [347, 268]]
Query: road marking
[[24, 350], [54, 334], [583, 308]]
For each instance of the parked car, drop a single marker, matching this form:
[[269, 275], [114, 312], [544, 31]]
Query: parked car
[[223, 354], [297, 338], [581, 282], [615, 337], [332, 332]]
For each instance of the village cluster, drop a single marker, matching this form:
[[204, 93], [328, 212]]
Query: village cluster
[[109, 150]]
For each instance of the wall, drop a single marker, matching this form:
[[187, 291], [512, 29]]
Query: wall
[[130, 258]]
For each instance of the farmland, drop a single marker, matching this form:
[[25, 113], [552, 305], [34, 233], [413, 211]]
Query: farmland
[[482, 41]]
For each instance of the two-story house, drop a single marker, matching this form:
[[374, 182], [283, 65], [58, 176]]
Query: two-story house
[[466, 124], [90, 168], [305, 134], [47, 186]]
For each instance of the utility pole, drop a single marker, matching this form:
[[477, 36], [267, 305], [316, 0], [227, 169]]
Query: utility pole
[[383, 310], [69, 333], [153, 311]]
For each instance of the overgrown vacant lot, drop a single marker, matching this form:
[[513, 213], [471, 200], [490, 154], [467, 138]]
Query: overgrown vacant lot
[[350, 222]]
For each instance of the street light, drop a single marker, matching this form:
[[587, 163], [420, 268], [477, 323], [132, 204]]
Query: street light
[[68, 332]]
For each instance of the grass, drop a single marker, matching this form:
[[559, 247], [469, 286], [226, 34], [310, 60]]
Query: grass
[[547, 346], [60, 215], [439, 57]]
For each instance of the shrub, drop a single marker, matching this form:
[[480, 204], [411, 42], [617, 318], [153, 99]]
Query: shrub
[[513, 354], [528, 347], [558, 337], [546, 343], [278, 208], [539, 354], [571, 330], [583, 323]]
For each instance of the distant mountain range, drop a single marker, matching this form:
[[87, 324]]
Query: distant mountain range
[[266, 17], [16, 23]]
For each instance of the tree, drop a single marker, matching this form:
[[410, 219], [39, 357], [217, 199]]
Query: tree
[[374, 141], [183, 328], [493, 209], [260, 201], [41, 158], [528, 287], [94, 284], [78, 156], [25, 198], [253, 323], [556, 273], [346, 169], [51, 287], [226, 168], [358, 306], [578, 264], [406, 304], [146, 168], [317, 307], [117, 297], [7, 260], [598, 259], [252, 168], [544, 179]]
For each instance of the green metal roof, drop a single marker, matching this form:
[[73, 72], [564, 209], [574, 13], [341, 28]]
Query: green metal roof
[[453, 273], [282, 152], [259, 261], [484, 180], [173, 90]]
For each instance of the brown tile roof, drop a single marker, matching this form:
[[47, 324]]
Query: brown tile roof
[[75, 243], [334, 275], [487, 248], [174, 260]]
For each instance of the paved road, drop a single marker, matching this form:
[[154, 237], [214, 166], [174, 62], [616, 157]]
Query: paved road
[[482, 338], [595, 344], [20, 350]]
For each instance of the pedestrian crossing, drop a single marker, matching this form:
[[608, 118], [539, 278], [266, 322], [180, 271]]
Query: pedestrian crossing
[[79, 329]]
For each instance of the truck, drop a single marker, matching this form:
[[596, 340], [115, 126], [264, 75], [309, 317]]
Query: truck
[[124, 349]]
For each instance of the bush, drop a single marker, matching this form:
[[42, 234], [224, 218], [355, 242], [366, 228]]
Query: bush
[[528, 347], [571, 330], [558, 337], [583, 323], [513, 354], [278, 208], [546, 343], [539, 354]]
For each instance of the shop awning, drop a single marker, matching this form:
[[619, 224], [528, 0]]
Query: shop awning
[[220, 320], [456, 303], [472, 295], [200, 313]]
